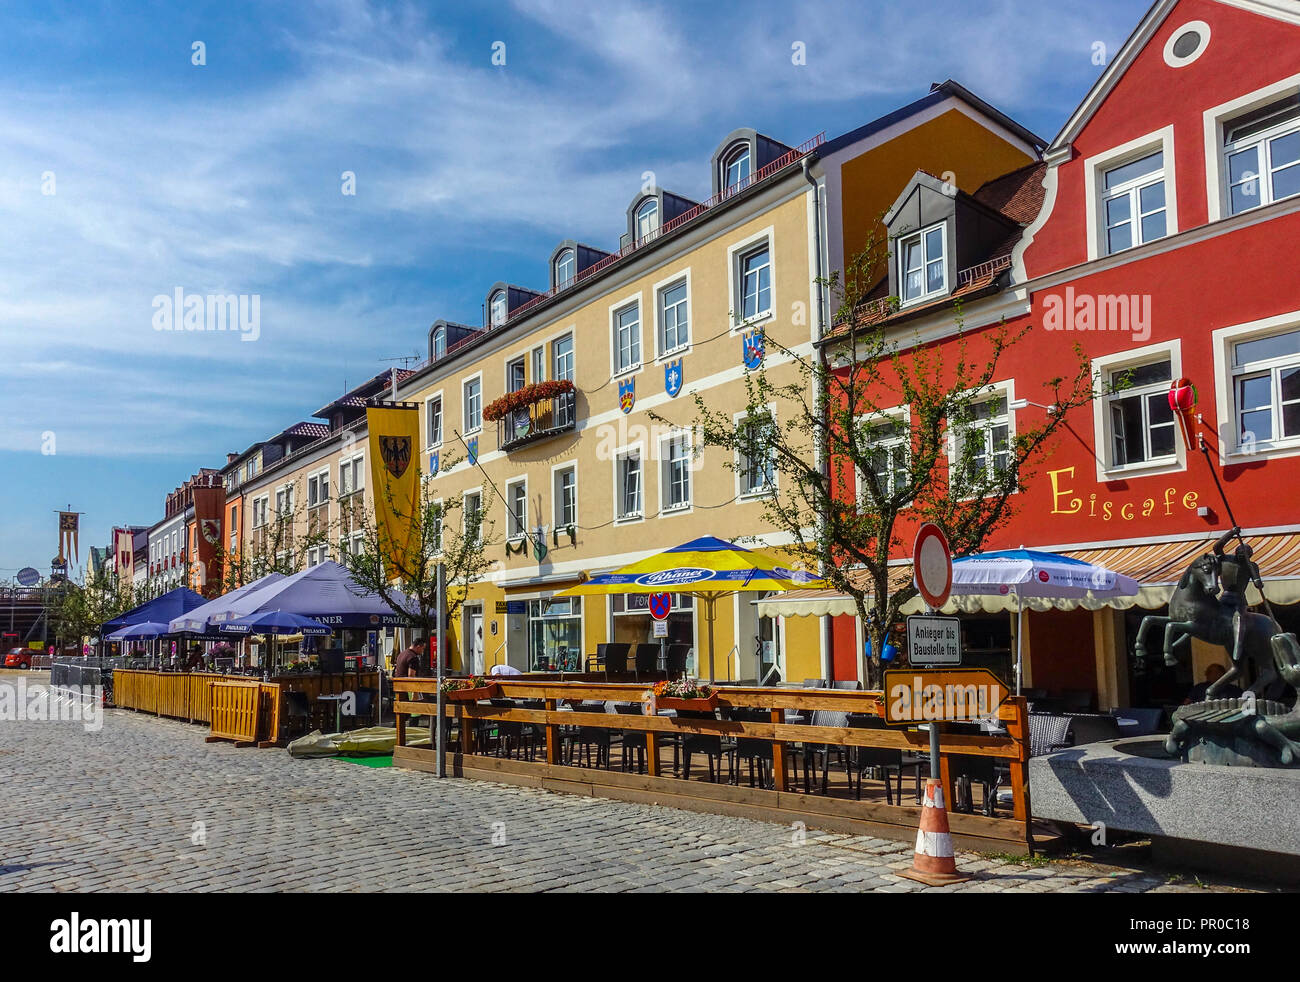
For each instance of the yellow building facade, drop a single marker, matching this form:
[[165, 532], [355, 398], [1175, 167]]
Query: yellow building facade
[[612, 473]]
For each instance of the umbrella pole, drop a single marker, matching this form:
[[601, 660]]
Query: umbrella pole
[[1020, 637], [709, 601]]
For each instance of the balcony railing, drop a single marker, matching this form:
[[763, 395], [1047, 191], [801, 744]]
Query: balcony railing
[[538, 421]]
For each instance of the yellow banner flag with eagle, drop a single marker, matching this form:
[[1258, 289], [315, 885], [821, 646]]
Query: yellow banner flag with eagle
[[394, 439]]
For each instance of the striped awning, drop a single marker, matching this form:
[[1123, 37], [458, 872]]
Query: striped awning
[[1157, 566]]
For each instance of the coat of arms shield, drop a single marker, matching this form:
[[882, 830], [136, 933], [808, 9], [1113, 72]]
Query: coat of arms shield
[[396, 453]]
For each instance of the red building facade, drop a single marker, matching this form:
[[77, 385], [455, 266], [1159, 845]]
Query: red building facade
[[1164, 246]]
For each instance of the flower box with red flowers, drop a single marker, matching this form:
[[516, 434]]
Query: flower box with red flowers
[[470, 689], [527, 396], [686, 694]]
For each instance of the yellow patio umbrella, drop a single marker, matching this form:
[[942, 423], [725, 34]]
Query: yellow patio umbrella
[[706, 568]]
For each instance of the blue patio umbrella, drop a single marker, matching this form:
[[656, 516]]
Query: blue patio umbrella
[[145, 631], [276, 622], [325, 592], [204, 618], [161, 609]]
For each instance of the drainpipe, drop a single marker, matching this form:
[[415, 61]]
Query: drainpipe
[[822, 451]]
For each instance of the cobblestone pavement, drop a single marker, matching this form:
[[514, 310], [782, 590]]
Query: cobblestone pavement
[[145, 804]]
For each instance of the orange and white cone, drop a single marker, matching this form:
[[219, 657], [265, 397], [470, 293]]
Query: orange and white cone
[[934, 863]]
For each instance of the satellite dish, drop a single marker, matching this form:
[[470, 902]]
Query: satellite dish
[[28, 576]]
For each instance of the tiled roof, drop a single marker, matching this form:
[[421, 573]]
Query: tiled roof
[[1018, 195], [314, 430]]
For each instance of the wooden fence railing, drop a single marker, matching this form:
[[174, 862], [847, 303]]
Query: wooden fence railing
[[188, 695], [782, 804]]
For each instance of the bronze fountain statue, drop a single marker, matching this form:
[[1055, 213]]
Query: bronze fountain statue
[[1209, 603]]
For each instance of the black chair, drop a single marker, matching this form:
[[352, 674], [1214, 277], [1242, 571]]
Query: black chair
[[889, 760], [677, 655], [600, 737], [632, 741], [1048, 732], [511, 738], [812, 752], [613, 657], [750, 749], [700, 743], [363, 707], [298, 706], [647, 659]]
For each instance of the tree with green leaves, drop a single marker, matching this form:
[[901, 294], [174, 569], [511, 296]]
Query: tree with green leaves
[[407, 578], [891, 431]]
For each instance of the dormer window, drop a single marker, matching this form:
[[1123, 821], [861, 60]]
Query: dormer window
[[922, 271], [647, 218], [566, 268], [736, 168], [438, 344], [498, 308]]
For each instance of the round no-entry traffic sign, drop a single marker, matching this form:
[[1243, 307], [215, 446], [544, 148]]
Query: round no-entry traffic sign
[[661, 605], [932, 565]]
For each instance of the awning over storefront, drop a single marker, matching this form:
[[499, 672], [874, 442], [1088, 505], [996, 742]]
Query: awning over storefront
[[1157, 566]]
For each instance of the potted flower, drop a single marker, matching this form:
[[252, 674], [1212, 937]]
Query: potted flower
[[526, 396], [470, 689], [686, 693]]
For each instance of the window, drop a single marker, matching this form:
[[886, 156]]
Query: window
[[986, 438], [555, 633], [922, 270], [318, 489], [562, 358], [516, 375], [498, 308], [1266, 386], [1262, 155], [352, 477], [259, 514], [676, 480], [889, 454], [628, 485], [566, 497], [438, 346], [627, 338], [284, 501], [1133, 203], [566, 269], [757, 460], [647, 218], [433, 421], [474, 405], [473, 517], [756, 283], [1141, 422], [317, 555], [538, 367], [735, 170], [674, 319], [517, 499]]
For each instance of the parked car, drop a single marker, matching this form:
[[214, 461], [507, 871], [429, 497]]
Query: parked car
[[19, 658]]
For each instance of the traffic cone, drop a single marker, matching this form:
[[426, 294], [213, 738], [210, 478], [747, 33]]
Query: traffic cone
[[934, 863]]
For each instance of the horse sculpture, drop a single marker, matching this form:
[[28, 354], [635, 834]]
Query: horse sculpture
[[1209, 603]]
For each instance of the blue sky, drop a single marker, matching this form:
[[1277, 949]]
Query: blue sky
[[226, 178]]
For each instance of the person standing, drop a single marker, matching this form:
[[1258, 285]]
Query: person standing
[[408, 665]]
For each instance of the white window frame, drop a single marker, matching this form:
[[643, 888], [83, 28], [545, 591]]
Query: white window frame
[[503, 297], [1103, 438], [557, 498], [466, 428], [285, 511], [614, 310], [742, 493], [897, 414], [621, 517], [428, 419], [571, 334], [516, 528], [316, 475], [994, 390], [1215, 121], [318, 554], [736, 253], [921, 235], [1095, 168], [356, 466], [730, 157], [439, 342], [464, 512], [261, 512], [1226, 374], [682, 278], [571, 256], [652, 226], [666, 443]]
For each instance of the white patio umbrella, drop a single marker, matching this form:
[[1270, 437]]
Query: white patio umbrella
[[1030, 573]]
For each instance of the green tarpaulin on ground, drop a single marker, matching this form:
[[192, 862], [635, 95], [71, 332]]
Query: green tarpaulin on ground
[[369, 742]]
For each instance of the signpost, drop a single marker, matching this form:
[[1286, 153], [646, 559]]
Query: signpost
[[661, 605], [933, 640]]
